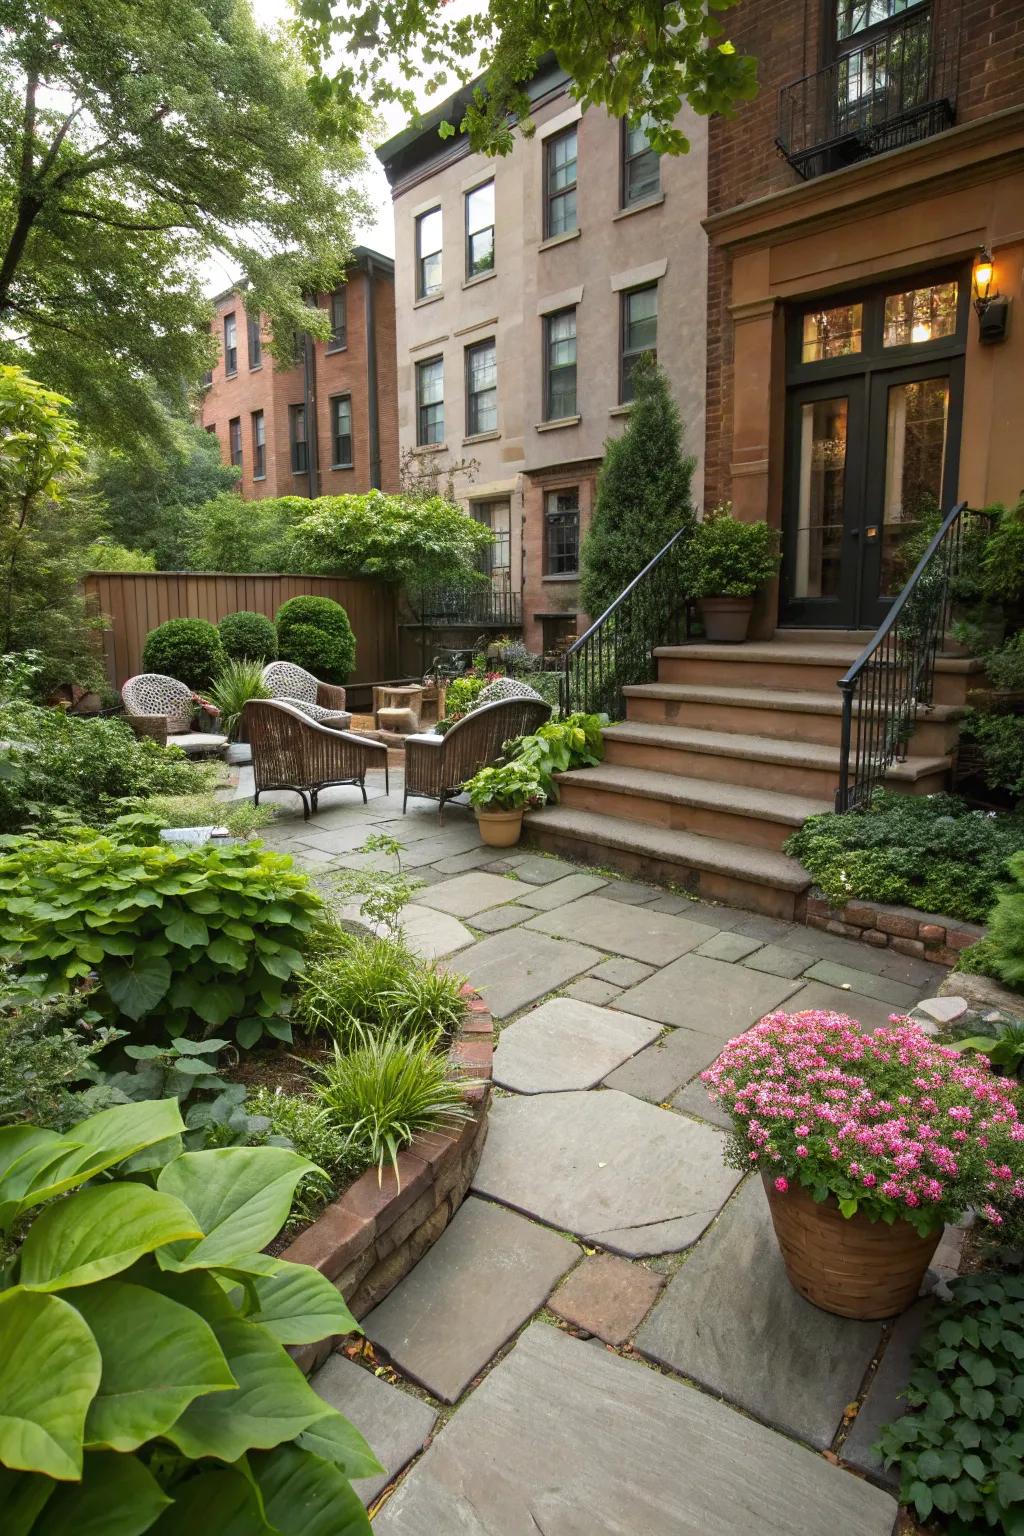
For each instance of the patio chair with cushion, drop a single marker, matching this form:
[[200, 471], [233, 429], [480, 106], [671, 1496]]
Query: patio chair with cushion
[[291, 751], [320, 701], [436, 767], [162, 708]]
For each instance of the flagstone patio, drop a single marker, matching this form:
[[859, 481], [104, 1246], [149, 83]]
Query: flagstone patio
[[601, 1179]]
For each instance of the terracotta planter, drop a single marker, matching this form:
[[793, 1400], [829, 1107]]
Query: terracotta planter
[[853, 1268], [500, 829], [726, 619]]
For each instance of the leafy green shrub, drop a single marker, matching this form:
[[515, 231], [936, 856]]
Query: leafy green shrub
[[144, 1385], [1006, 927], [1001, 741], [180, 937], [462, 693], [379, 984], [1004, 1049], [1002, 558], [105, 555], [729, 558], [248, 635], [927, 851], [1005, 666], [575, 742], [236, 683], [142, 821], [187, 649], [305, 1125], [505, 787], [961, 1452], [384, 1089], [314, 632], [549, 686], [47, 1046]]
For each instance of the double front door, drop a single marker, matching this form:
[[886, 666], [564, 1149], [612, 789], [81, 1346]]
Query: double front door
[[873, 432]]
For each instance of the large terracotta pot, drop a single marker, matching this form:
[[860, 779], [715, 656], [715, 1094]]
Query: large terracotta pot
[[852, 1267], [500, 829], [726, 619]]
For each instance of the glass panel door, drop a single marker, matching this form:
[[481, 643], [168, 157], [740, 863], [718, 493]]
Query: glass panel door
[[823, 487]]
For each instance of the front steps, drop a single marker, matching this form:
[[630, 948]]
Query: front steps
[[724, 756]]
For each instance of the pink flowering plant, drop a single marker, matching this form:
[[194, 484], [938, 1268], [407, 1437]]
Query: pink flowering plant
[[889, 1123]]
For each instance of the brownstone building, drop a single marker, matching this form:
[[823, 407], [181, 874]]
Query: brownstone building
[[857, 378], [328, 425]]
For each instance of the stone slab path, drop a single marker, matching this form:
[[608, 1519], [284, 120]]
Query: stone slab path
[[603, 1210]]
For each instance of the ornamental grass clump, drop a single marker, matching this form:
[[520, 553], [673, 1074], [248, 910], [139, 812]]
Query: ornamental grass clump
[[889, 1124]]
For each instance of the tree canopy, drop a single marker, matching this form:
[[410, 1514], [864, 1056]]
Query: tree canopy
[[637, 60], [138, 139]]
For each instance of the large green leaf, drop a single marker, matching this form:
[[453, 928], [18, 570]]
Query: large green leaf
[[338, 1441], [98, 1232], [218, 1002], [50, 1373], [22, 1496], [240, 1197], [157, 1358], [111, 1137], [117, 1496], [137, 988], [298, 1305], [272, 1402], [187, 929], [306, 1496], [223, 1503]]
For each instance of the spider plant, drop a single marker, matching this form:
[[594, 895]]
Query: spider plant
[[237, 682]]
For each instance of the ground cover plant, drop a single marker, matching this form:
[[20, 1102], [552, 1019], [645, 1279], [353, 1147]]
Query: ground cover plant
[[932, 852], [48, 1050], [146, 1383]]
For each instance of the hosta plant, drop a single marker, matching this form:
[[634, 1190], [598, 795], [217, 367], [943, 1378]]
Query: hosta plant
[[146, 1385], [185, 939], [575, 742]]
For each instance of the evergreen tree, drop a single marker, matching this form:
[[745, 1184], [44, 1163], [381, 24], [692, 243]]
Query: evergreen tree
[[643, 493]]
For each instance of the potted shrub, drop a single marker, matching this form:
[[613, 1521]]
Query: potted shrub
[[726, 562], [867, 1144], [500, 796]]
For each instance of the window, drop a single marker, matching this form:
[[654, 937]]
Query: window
[[922, 314], [235, 439], [259, 446], [641, 165], [639, 332], [207, 378], [562, 532], [832, 333], [430, 401], [481, 388], [495, 560], [560, 184], [339, 320], [341, 431], [560, 365], [853, 16], [428, 254], [297, 437], [255, 341], [480, 230], [230, 345], [211, 428]]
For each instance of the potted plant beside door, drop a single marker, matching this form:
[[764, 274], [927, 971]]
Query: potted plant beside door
[[726, 563]]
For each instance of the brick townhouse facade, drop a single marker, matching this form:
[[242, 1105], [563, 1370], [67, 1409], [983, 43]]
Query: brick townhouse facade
[[525, 287], [856, 376], [326, 426]]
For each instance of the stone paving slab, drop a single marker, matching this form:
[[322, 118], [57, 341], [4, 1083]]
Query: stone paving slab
[[868, 1011], [776, 960], [495, 919], [345, 838], [565, 1439], [426, 850], [720, 918], [632, 892], [486, 1274], [517, 967], [476, 858], [621, 973], [394, 1423], [863, 957], [693, 1100], [731, 1320], [638, 932], [537, 870], [709, 996], [729, 946], [567, 1044], [466, 895], [756, 926], [544, 898], [658, 1071], [883, 1404], [586, 990], [432, 935], [616, 1171], [607, 1296], [896, 993]]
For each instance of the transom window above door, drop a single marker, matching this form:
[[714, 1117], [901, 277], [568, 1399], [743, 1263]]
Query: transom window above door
[[898, 320]]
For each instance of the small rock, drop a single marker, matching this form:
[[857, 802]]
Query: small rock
[[925, 1026], [995, 1017], [944, 1010]]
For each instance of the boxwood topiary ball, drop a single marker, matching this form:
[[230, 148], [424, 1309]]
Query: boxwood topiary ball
[[314, 632], [248, 636], [187, 649]]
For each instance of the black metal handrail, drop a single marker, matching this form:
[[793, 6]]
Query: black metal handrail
[[894, 675], [617, 649]]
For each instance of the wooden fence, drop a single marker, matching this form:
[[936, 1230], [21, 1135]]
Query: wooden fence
[[133, 603]]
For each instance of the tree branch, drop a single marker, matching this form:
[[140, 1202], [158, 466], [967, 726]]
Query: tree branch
[[101, 218]]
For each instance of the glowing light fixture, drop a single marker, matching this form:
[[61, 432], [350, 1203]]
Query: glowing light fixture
[[984, 271]]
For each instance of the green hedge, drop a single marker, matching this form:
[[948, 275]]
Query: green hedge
[[187, 649], [314, 632], [248, 636]]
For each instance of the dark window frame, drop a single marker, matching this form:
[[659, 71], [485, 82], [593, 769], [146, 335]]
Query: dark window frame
[[627, 199], [422, 291], [473, 427], [338, 462], [426, 441], [299, 445], [550, 144], [254, 341], [471, 235], [259, 448], [628, 356], [230, 350], [235, 441], [550, 368], [338, 339], [561, 518]]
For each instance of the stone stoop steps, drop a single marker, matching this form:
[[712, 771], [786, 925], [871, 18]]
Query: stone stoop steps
[[724, 756]]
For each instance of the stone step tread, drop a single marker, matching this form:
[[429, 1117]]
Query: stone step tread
[[800, 700], [764, 804], [760, 866], [763, 749], [794, 653]]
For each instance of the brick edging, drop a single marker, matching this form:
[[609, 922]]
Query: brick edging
[[377, 1230], [925, 935]]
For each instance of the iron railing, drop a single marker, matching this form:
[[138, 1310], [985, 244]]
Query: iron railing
[[617, 649], [897, 88], [894, 675], [485, 605]]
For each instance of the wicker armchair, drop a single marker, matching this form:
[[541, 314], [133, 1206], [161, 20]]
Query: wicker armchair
[[161, 707], [320, 701], [436, 767], [291, 751]]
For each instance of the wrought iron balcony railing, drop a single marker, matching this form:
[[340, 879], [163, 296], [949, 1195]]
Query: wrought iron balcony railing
[[484, 605], [897, 88]]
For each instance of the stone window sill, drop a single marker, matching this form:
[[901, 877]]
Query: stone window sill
[[255, 367], [553, 240], [259, 477], [481, 277], [622, 410], [561, 421], [481, 437], [431, 448], [337, 346], [563, 576], [648, 202], [343, 466], [431, 298]]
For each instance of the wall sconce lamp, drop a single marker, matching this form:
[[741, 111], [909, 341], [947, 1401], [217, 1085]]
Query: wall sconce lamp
[[992, 309]]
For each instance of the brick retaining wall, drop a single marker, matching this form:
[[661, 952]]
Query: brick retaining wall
[[925, 935]]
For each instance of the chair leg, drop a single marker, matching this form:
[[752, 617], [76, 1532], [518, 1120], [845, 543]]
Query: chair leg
[[387, 782], [256, 797], [314, 796], [362, 786], [305, 804], [440, 812], [405, 800]]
